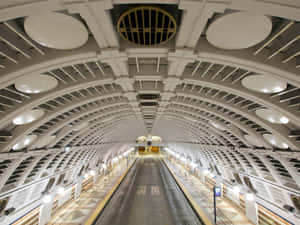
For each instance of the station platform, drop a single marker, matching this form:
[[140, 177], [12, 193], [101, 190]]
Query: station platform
[[150, 193], [227, 212], [79, 211]]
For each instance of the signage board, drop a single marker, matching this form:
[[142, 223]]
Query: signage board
[[218, 191]]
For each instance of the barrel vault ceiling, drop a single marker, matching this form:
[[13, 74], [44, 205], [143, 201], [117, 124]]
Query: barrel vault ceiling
[[110, 91]]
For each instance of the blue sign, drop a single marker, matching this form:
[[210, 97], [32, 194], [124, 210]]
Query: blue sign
[[218, 191]]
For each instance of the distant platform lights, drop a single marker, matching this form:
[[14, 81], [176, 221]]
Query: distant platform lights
[[151, 138], [250, 196], [236, 189], [156, 139], [56, 30], [239, 189], [193, 165], [89, 173], [46, 197], [141, 139], [60, 190], [182, 158]]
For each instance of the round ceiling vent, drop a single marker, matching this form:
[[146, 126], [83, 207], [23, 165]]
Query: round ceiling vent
[[146, 25]]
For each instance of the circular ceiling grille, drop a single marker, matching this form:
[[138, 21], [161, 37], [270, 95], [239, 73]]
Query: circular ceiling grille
[[146, 25]]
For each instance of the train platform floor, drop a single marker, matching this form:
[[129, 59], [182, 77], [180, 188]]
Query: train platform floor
[[148, 195], [203, 196], [77, 212]]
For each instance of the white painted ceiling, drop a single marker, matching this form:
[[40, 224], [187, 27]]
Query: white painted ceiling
[[203, 109]]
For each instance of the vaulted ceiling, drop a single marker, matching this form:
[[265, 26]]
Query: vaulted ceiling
[[217, 75]]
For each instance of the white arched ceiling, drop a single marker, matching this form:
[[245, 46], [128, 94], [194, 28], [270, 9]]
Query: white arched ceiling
[[101, 83]]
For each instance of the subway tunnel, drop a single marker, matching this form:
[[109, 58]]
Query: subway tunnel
[[141, 112]]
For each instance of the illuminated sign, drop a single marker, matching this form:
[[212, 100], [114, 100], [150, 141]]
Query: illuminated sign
[[218, 191]]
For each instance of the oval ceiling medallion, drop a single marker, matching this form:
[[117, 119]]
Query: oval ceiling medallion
[[275, 141], [28, 116], [24, 142], [147, 25], [272, 116], [264, 83], [35, 83], [238, 30], [44, 141], [253, 140], [56, 30], [219, 127]]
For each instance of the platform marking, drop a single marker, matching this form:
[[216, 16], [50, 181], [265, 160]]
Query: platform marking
[[141, 190], [155, 190]]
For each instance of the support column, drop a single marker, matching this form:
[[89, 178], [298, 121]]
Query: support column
[[194, 19], [178, 60], [251, 210], [78, 187], [117, 60], [97, 16], [96, 176], [45, 212]]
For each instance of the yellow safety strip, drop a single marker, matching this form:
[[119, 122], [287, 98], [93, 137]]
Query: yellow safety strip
[[101, 206], [199, 211]]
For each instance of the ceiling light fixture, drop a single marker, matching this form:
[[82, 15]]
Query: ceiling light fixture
[[275, 141], [264, 83], [46, 198], [24, 142], [250, 197], [56, 30], [35, 83], [232, 30], [28, 116], [272, 116]]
